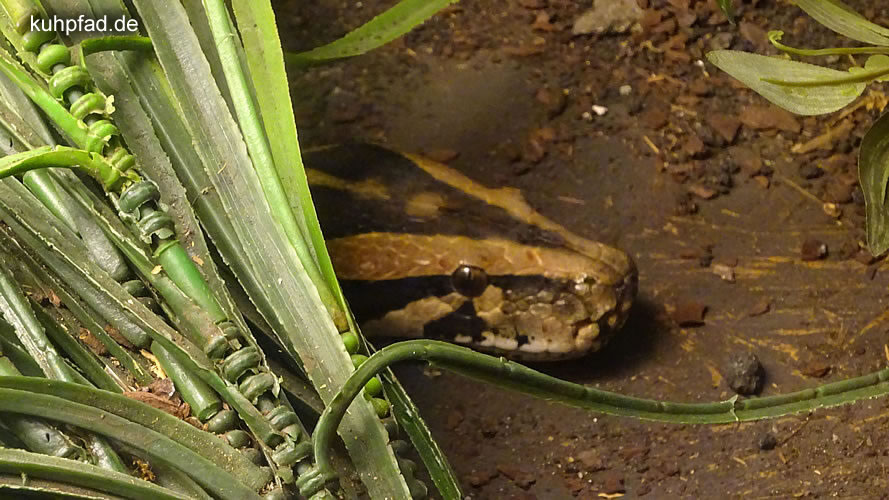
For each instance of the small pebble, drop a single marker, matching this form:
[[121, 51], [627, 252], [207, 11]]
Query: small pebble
[[813, 249], [625, 90], [810, 171], [744, 374], [725, 273], [767, 441]]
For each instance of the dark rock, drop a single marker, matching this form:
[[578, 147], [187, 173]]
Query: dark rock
[[767, 441], [810, 171], [744, 373]]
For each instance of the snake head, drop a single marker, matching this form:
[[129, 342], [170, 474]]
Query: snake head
[[543, 317], [522, 302]]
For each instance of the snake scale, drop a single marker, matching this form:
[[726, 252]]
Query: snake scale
[[423, 251]]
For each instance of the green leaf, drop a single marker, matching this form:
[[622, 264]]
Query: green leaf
[[841, 18], [265, 60], [39, 468], [257, 138], [62, 252], [76, 303], [873, 174], [17, 311], [384, 28], [157, 435], [84, 359], [877, 63], [267, 263], [752, 69], [408, 417], [728, 9], [202, 443]]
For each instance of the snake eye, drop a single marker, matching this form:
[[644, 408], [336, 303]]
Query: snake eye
[[470, 281]]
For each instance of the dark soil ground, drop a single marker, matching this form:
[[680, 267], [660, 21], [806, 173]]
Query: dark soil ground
[[723, 200]]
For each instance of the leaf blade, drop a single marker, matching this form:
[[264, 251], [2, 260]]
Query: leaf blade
[[873, 174], [844, 20], [751, 69], [380, 30]]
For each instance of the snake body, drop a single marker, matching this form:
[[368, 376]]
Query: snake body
[[425, 252]]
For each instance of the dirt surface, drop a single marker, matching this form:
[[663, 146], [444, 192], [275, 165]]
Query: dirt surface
[[745, 222]]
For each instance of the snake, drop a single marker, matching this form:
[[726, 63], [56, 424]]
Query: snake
[[424, 251]]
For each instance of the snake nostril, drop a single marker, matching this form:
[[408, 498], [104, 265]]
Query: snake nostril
[[470, 281]]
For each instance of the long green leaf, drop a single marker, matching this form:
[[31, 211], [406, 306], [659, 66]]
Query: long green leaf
[[728, 9], [408, 416], [752, 69], [78, 474], [844, 20], [17, 311], [256, 23], [257, 142], [873, 173], [298, 316], [87, 317], [384, 28], [265, 60], [82, 357], [64, 257], [67, 256], [24, 395], [202, 443]]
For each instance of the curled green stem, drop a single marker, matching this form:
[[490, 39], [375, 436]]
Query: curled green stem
[[775, 36], [857, 77], [510, 375]]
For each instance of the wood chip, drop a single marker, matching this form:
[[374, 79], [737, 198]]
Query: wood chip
[[769, 117], [689, 314], [760, 308], [815, 368], [724, 272], [702, 191], [179, 410], [725, 125]]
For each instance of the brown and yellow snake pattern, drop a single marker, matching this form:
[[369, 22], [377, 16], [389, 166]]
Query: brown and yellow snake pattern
[[425, 252]]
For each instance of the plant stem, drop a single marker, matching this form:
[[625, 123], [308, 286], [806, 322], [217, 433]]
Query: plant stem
[[774, 36], [858, 77], [510, 375], [116, 43]]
